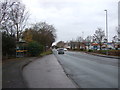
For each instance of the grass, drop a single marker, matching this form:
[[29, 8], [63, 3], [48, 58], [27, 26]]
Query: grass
[[110, 52], [103, 52], [46, 53]]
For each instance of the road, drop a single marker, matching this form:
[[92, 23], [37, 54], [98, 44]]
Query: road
[[90, 71]]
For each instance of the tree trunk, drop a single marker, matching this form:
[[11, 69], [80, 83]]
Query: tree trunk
[[100, 46], [17, 33]]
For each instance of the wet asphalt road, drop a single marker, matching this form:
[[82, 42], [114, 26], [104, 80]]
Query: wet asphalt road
[[90, 71]]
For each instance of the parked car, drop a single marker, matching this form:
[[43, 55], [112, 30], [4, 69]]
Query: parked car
[[61, 51], [65, 49]]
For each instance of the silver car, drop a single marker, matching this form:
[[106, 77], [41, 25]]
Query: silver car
[[61, 51]]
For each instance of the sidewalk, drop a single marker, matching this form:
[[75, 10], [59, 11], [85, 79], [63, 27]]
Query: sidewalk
[[12, 73], [46, 72], [51, 74]]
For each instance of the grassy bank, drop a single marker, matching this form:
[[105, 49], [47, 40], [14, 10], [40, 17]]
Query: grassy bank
[[110, 52], [46, 53], [104, 52]]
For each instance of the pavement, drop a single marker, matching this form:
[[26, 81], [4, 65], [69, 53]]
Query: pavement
[[46, 72], [12, 73], [0, 75], [49, 75]]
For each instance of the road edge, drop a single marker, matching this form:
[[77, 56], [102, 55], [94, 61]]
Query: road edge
[[24, 65], [76, 85]]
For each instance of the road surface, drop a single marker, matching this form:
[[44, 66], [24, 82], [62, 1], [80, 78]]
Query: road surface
[[90, 71]]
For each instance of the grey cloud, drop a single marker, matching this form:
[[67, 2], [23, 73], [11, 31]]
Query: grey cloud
[[72, 18]]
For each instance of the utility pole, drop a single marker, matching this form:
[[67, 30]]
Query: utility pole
[[106, 30]]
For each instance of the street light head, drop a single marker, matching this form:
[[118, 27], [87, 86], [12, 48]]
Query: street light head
[[105, 10]]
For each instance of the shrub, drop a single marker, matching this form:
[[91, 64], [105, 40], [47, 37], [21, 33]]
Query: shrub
[[8, 45], [90, 50], [34, 48]]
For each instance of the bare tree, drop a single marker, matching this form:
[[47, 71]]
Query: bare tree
[[118, 32], [99, 36], [79, 41], [89, 40], [13, 17], [115, 39], [4, 15]]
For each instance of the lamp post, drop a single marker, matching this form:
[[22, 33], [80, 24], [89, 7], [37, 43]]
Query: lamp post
[[106, 30]]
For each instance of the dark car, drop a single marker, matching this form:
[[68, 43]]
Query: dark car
[[61, 51]]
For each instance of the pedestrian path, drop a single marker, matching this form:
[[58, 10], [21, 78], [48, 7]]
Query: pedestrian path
[[46, 72]]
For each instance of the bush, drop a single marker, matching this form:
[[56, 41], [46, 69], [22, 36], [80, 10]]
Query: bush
[[34, 49], [90, 50], [8, 45]]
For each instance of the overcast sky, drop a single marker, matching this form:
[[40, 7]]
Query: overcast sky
[[73, 18]]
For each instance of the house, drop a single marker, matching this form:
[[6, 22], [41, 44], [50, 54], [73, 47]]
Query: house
[[67, 45], [95, 46], [60, 44]]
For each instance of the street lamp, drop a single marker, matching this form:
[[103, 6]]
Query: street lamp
[[106, 26], [106, 30]]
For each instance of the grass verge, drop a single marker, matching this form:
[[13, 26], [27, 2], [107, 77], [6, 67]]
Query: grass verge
[[46, 53], [102, 52]]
